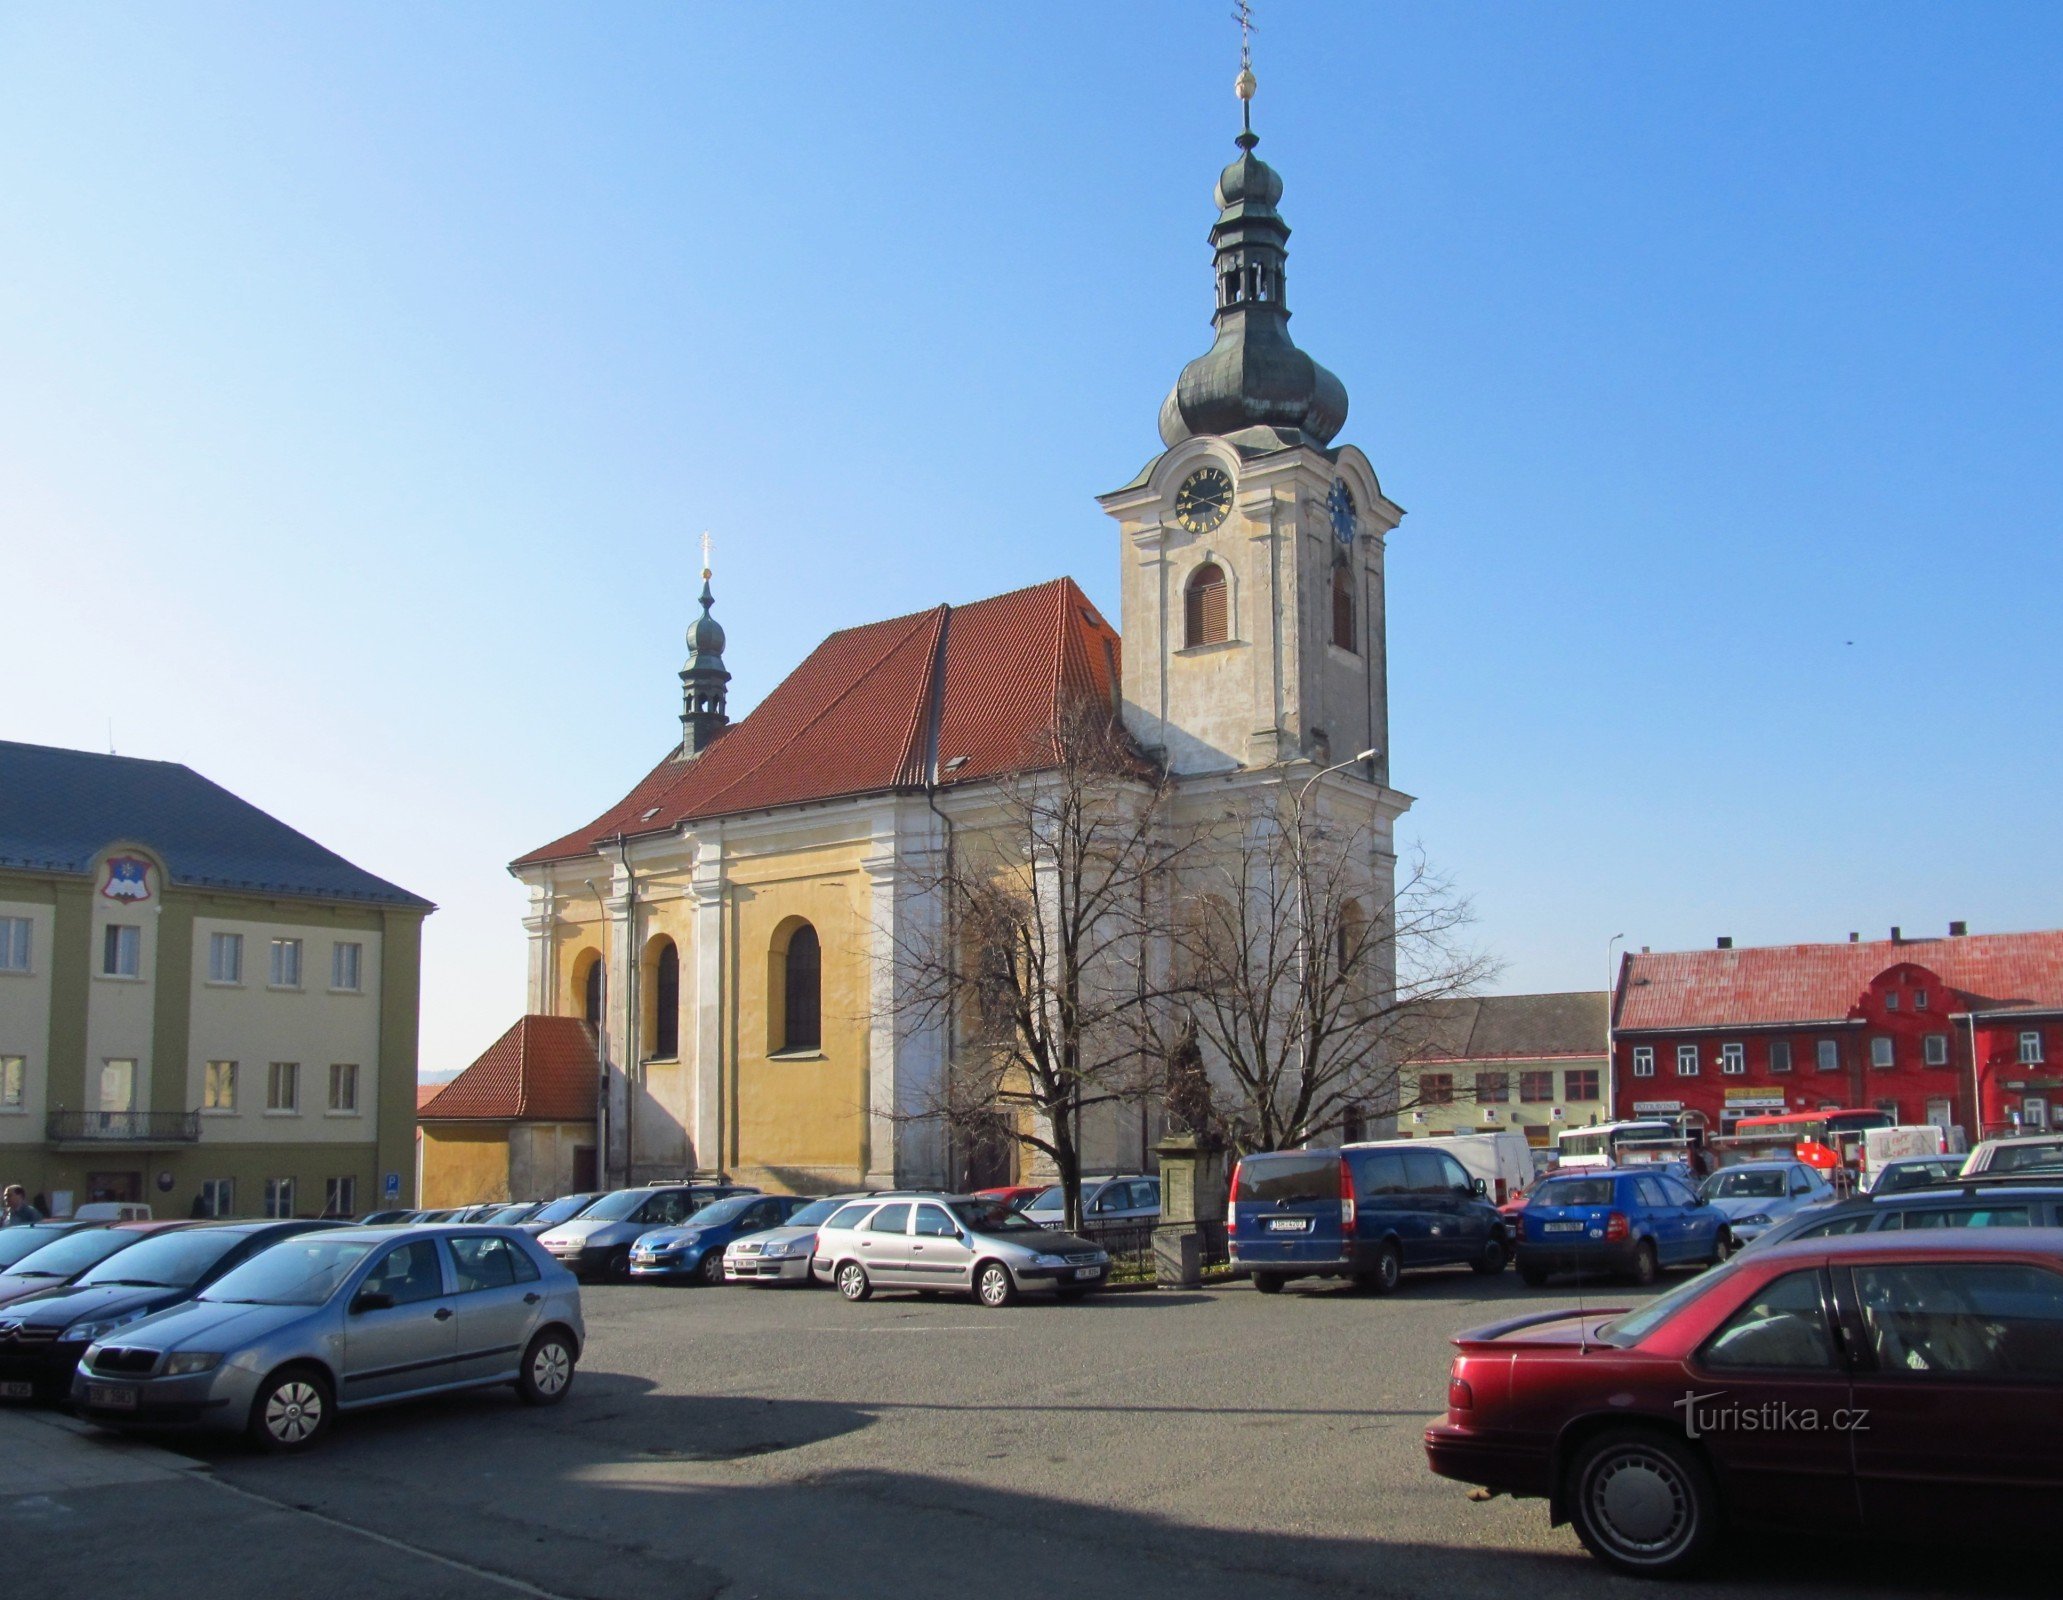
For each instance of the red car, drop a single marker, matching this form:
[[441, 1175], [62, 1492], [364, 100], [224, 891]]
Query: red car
[[1904, 1385], [1013, 1194]]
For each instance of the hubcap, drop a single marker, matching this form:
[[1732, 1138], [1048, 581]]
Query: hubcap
[[292, 1412], [551, 1369], [851, 1281], [1639, 1503], [994, 1286]]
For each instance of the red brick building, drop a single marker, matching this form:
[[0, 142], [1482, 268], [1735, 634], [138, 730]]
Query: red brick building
[[1962, 1031]]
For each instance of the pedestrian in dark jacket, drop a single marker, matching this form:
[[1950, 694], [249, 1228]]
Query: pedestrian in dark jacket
[[19, 1211]]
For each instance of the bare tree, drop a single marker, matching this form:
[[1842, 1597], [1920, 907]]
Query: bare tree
[[1308, 975], [1035, 961]]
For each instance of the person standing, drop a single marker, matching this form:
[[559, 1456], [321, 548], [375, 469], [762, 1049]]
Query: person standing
[[19, 1211]]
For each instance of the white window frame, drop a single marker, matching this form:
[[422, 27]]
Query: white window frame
[[285, 953], [1883, 1052], [113, 948], [218, 1196], [208, 1084], [231, 971], [1919, 999], [356, 960], [1936, 1049], [2030, 1048], [14, 1085], [100, 1085], [17, 947], [279, 1198], [330, 1196], [289, 1073], [1733, 1059], [1643, 1061], [1689, 1053], [1784, 1045], [1826, 1055], [350, 1069]]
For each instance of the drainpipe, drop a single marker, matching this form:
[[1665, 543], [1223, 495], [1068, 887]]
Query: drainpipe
[[632, 1018], [602, 1041]]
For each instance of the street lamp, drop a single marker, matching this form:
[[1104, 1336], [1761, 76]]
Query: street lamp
[[1306, 1003], [1611, 1058]]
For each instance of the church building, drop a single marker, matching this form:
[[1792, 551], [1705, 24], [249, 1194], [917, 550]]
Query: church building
[[727, 929]]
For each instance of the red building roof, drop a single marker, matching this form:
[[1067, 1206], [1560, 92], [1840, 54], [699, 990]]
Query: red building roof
[[882, 707], [1814, 983], [544, 1069]]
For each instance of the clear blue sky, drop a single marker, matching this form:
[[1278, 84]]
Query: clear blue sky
[[367, 373]]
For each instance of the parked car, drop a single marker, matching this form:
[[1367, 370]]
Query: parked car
[[344, 1318], [563, 1209], [26, 1238], [112, 1211], [41, 1339], [1901, 1173], [1013, 1194], [1367, 1212], [64, 1259], [782, 1255], [1121, 1202], [952, 1244], [2027, 1152], [694, 1249], [1756, 1195], [1503, 1159], [384, 1219], [1929, 1364], [597, 1243], [1634, 1221], [510, 1213], [2032, 1202]]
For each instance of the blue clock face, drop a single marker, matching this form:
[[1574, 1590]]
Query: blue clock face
[[1340, 506]]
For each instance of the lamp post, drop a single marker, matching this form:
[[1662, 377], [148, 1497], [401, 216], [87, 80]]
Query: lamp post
[[1611, 1054], [1306, 1005]]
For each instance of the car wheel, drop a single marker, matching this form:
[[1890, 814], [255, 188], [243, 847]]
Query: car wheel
[[852, 1281], [1646, 1267], [1269, 1282], [1723, 1246], [1643, 1503], [548, 1366], [291, 1411], [619, 1266], [993, 1285], [1492, 1260], [1533, 1277], [711, 1269], [1388, 1272]]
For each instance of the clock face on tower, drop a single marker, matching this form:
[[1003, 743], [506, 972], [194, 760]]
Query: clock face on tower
[[1339, 505], [1203, 500]]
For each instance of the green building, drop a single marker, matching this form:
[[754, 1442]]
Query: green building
[[200, 1009]]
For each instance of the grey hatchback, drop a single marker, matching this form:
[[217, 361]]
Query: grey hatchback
[[339, 1320]]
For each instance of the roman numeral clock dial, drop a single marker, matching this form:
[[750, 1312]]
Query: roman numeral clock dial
[[1203, 500]]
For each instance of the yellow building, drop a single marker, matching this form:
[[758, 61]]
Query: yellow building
[[1533, 1062]]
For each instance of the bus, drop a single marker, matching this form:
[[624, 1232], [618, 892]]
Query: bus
[[1619, 1144], [1829, 1140]]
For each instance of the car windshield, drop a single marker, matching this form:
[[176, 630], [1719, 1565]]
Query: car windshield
[[17, 1242], [1575, 1192], [615, 1207], [176, 1260], [1291, 1177], [74, 1253], [301, 1271], [813, 1214], [1915, 1175], [723, 1210], [514, 1213], [1765, 1185], [2024, 1157], [1636, 1325], [565, 1208], [992, 1216], [1053, 1199]]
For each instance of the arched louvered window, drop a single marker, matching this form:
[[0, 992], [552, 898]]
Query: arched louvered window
[[591, 993], [1343, 608], [802, 991], [1205, 612], [666, 1003]]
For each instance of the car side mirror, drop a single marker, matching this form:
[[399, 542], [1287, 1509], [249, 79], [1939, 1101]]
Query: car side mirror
[[371, 1300], [1478, 1187]]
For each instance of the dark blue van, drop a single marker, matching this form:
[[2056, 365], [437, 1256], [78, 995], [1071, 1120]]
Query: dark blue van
[[1361, 1213]]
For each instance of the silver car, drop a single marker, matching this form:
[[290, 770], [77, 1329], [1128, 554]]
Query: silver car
[[1121, 1202], [1756, 1195], [953, 1244], [782, 1255], [338, 1320]]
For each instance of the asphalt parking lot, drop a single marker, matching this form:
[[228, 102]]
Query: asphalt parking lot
[[770, 1443]]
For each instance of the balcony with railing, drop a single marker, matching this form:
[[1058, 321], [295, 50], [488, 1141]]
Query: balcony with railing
[[123, 1127]]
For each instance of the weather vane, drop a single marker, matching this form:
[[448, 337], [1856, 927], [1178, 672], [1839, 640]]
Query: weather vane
[[1245, 84], [706, 567]]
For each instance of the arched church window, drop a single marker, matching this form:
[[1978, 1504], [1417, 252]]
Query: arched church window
[[1343, 608], [666, 1003], [1205, 613], [591, 993], [802, 991]]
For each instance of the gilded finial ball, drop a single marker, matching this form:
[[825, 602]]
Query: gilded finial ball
[[1245, 84]]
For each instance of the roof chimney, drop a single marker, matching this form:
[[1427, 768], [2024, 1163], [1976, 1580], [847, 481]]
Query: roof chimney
[[1855, 938], [1894, 933], [1958, 930], [1726, 941]]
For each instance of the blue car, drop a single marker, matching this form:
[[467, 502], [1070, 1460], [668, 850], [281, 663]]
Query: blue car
[[694, 1249], [1624, 1221]]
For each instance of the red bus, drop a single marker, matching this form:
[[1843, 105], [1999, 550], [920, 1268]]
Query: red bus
[[1828, 1140]]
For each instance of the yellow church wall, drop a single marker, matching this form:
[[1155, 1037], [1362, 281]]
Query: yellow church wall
[[464, 1165]]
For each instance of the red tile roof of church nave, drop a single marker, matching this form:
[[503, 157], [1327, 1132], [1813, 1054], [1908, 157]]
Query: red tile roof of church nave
[[544, 1069], [857, 716], [1822, 982]]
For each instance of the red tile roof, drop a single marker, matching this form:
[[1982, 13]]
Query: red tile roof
[[544, 1069], [877, 708], [1806, 983], [426, 1092]]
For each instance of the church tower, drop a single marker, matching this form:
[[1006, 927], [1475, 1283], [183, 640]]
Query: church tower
[[704, 680], [1252, 545]]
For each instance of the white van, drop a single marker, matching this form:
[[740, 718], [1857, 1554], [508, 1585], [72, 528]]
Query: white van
[[1503, 1160], [112, 1211]]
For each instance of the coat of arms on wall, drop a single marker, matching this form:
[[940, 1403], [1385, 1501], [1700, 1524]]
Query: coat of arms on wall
[[128, 878]]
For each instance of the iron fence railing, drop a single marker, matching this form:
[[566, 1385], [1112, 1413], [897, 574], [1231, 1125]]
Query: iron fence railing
[[123, 1127]]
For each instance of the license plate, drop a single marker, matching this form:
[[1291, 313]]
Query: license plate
[[1561, 1227], [1088, 1272], [111, 1396], [17, 1391], [1289, 1224]]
